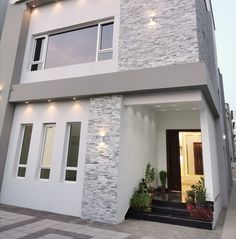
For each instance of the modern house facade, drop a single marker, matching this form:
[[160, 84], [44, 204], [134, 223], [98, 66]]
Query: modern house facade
[[93, 90]]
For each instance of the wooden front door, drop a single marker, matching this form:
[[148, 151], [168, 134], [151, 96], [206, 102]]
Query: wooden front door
[[197, 147], [173, 160]]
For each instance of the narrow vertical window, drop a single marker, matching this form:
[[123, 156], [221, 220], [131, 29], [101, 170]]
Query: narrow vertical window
[[105, 50], [38, 54], [73, 151], [27, 131], [47, 151]]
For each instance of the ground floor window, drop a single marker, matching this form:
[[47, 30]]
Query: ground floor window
[[25, 145], [72, 151], [47, 150]]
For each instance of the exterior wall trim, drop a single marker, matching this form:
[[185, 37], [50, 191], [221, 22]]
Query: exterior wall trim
[[159, 79]]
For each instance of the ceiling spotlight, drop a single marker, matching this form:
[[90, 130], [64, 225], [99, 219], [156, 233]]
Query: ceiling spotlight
[[74, 98], [49, 100], [27, 102]]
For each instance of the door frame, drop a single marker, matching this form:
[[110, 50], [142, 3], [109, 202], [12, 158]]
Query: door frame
[[168, 153]]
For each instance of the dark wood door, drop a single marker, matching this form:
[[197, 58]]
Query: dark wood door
[[197, 147], [173, 160]]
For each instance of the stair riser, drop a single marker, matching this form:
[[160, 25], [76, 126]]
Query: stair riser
[[179, 222], [169, 204], [171, 212]]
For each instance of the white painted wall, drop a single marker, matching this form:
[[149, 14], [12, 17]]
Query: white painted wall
[[173, 120], [54, 194], [210, 159], [137, 148], [64, 14]]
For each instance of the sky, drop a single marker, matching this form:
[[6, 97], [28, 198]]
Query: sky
[[225, 20]]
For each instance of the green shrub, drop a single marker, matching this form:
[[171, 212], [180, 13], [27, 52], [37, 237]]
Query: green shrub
[[200, 192], [141, 201]]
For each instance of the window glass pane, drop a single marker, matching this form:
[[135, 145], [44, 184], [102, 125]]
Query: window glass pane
[[106, 36], [21, 172], [70, 175], [25, 144], [35, 67], [39, 42], [105, 55], [44, 174], [72, 47], [73, 147], [48, 146]]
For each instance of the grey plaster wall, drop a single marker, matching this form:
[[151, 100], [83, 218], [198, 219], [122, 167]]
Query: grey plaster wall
[[3, 9], [101, 166], [205, 32], [172, 40], [12, 48]]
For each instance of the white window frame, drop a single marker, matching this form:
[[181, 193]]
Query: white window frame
[[68, 126], [44, 51], [45, 126], [45, 46], [99, 38], [19, 165]]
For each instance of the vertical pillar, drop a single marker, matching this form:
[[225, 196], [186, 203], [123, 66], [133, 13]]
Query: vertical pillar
[[100, 190]]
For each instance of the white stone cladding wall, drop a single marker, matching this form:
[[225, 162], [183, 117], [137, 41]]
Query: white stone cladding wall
[[206, 40], [100, 190], [172, 40]]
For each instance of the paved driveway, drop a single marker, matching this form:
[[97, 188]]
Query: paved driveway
[[31, 224]]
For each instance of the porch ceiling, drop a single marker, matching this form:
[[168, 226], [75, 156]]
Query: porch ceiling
[[180, 106]]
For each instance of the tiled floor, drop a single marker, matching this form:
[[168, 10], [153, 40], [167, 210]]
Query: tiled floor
[[21, 223]]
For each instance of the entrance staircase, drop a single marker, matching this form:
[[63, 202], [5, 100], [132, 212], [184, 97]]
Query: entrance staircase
[[170, 212]]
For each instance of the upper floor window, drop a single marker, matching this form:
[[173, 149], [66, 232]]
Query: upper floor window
[[87, 44]]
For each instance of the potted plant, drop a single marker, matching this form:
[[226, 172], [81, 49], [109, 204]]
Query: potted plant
[[150, 175], [141, 199], [163, 176], [200, 193], [190, 199]]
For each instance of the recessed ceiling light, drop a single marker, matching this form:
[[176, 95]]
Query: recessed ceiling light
[[27, 102], [49, 100], [74, 98], [33, 5]]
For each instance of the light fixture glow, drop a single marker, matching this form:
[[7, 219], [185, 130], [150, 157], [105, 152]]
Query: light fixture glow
[[27, 102], [74, 98], [49, 101]]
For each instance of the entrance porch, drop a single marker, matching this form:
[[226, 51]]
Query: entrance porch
[[172, 132]]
